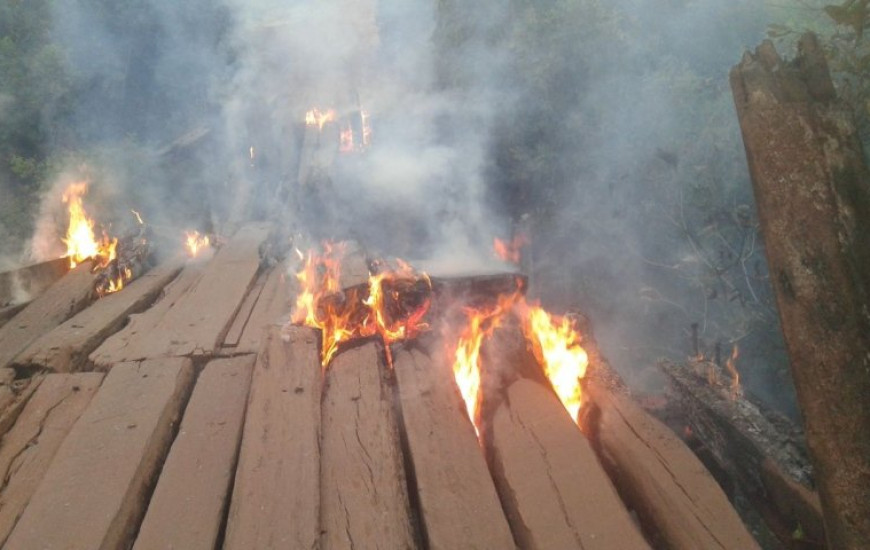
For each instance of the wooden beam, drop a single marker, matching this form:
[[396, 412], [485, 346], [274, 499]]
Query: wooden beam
[[276, 496], [810, 179], [741, 437], [29, 447], [272, 305], [553, 489], [94, 492], [28, 282], [14, 395], [198, 322], [364, 499], [72, 293], [457, 498], [661, 479], [66, 348], [192, 495]]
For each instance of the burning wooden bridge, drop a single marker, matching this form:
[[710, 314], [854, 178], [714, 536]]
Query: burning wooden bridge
[[184, 412]]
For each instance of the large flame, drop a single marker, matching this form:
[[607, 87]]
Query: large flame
[[346, 314], [555, 341], [81, 244], [560, 354], [466, 358]]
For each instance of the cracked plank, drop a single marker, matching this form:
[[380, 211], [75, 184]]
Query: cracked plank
[[66, 348], [273, 304], [141, 324], [66, 297], [14, 395], [28, 448], [672, 492], [363, 491], [94, 493], [276, 498], [188, 505], [459, 505], [554, 491], [197, 322]]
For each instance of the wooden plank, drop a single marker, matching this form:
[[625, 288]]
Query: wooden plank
[[458, 501], [14, 395], [72, 293], [273, 305], [28, 282], [9, 312], [142, 324], [198, 322], [663, 481], [554, 491], [93, 493], [276, 496], [192, 494], [364, 500], [231, 340], [28, 448], [66, 348]]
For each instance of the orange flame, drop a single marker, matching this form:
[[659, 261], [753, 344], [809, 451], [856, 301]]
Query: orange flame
[[559, 352], [731, 365], [316, 117], [195, 243], [81, 244], [346, 144], [346, 314], [510, 251], [466, 364], [556, 345]]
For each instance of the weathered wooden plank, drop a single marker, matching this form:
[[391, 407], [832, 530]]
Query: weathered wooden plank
[[141, 325], [28, 282], [66, 348], [72, 293], [276, 496], [809, 176], [273, 305], [14, 395], [188, 505], [231, 340], [199, 320], [554, 490], [93, 493], [28, 448], [9, 312], [664, 482], [458, 501], [364, 500]]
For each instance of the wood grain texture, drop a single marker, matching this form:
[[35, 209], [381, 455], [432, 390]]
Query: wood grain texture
[[28, 448], [363, 493], [188, 505], [93, 493], [66, 297], [554, 490], [276, 498], [66, 348], [458, 501]]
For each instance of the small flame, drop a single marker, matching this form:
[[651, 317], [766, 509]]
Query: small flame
[[316, 117], [731, 366], [346, 139], [195, 243], [510, 251], [81, 244]]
